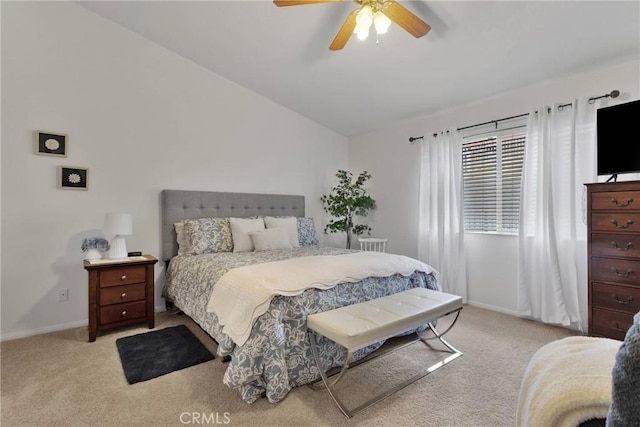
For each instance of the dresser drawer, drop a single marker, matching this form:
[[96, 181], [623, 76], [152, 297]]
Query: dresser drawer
[[615, 297], [122, 312], [614, 200], [120, 294], [624, 222], [122, 276], [610, 324], [615, 270], [616, 245]]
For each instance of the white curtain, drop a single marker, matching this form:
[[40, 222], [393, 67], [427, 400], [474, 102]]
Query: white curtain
[[440, 229], [560, 157]]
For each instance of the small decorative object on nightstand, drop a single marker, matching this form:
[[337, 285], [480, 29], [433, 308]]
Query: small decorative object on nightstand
[[94, 247], [120, 293]]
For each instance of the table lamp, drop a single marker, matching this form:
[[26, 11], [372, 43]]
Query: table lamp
[[117, 225]]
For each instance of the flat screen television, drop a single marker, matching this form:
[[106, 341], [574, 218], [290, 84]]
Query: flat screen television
[[617, 139]]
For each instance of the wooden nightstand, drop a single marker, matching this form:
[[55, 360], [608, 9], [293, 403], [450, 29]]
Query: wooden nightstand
[[120, 293]]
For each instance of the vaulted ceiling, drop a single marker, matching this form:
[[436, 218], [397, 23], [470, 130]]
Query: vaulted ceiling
[[475, 50]]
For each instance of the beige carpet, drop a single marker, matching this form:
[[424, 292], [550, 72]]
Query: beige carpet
[[60, 379]]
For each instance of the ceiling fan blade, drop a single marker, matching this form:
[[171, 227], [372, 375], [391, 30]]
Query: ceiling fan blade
[[345, 32], [281, 3], [406, 19]]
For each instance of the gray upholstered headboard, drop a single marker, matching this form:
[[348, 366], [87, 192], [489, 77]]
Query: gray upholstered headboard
[[177, 205]]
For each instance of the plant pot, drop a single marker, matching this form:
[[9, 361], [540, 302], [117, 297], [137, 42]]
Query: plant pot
[[92, 254]]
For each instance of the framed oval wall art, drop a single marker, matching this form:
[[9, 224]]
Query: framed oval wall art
[[51, 144]]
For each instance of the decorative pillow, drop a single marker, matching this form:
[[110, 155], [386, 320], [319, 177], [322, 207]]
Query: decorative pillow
[[184, 247], [289, 223], [307, 232], [625, 406], [208, 235], [271, 238], [240, 232]]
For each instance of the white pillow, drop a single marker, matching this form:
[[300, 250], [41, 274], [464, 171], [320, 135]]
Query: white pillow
[[288, 223], [184, 246], [271, 238], [240, 230]]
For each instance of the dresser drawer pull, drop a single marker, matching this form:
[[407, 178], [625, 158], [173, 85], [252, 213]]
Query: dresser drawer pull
[[124, 276], [615, 325], [617, 272], [123, 296], [615, 202], [615, 222], [622, 301], [626, 248], [124, 313]]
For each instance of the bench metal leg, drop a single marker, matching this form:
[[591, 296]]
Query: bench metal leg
[[351, 412]]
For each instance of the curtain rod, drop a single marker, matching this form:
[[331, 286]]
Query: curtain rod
[[612, 94]]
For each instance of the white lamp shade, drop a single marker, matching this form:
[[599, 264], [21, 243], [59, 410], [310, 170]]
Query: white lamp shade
[[119, 224], [381, 22]]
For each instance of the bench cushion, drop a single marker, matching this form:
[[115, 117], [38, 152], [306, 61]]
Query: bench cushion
[[359, 325]]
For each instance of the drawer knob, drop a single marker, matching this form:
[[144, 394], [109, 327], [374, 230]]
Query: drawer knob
[[615, 202], [618, 328], [626, 248], [615, 222], [615, 271], [622, 301], [124, 295], [124, 313], [124, 276]]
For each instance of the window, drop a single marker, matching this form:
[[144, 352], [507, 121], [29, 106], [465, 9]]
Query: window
[[491, 176]]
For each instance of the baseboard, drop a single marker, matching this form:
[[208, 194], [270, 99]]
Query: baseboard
[[45, 330], [574, 327], [494, 308], [55, 328]]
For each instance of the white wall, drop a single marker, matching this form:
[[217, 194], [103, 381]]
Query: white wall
[[141, 119], [394, 165]]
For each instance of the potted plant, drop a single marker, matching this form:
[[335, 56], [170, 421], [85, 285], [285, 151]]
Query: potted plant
[[94, 247], [347, 200]]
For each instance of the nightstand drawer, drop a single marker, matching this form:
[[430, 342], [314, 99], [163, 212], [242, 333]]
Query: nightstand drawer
[[615, 270], [120, 294], [122, 312], [612, 200], [614, 297], [616, 221], [616, 245], [610, 323], [122, 276]]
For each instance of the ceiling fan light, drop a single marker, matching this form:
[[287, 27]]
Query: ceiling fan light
[[381, 22], [365, 16], [362, 32]]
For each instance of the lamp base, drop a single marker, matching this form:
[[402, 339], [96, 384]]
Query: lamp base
[[118, 248]]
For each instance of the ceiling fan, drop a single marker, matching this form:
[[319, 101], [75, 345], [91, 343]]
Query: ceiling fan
[[378, 13]]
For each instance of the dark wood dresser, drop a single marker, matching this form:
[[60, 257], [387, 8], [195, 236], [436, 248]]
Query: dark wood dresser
[[613, 221], [120, 293]]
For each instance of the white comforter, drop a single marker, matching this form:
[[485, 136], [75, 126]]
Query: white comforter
[[244, 293]]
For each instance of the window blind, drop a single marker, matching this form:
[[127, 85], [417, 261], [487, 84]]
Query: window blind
[[492, 171]]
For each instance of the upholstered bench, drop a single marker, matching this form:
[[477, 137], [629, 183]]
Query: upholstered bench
[[360, 325]]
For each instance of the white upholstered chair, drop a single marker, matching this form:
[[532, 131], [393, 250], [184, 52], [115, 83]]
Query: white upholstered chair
[[373, 244]]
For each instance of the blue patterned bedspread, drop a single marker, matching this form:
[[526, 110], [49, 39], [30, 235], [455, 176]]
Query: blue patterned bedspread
[[277, 356]]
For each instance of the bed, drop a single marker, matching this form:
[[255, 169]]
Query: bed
[[276, 355]]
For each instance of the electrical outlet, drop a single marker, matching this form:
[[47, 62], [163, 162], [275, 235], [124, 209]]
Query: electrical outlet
[[63, 294]]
